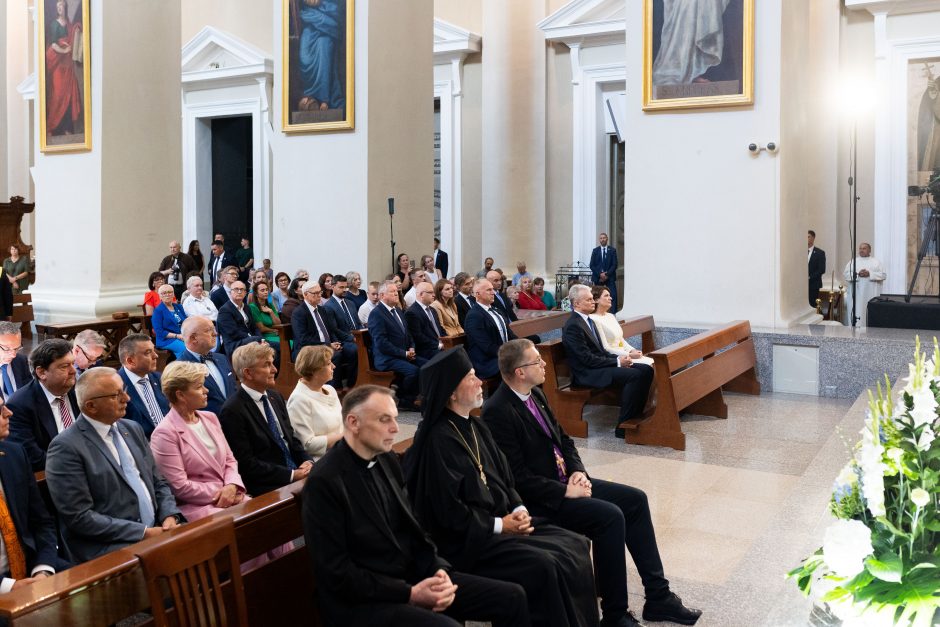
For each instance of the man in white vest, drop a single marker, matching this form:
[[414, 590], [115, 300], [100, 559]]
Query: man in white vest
[[871, 277]]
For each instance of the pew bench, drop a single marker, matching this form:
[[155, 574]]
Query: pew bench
[[287, 377], [690, 375], [366, 373], [569, 400], [23, 313]]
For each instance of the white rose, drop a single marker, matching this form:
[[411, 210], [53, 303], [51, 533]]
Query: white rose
[[894, 454], [846, 545], [923, 414], [920, 497], [927, 438]]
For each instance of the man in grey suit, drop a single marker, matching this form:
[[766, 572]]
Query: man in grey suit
[[102, 477]]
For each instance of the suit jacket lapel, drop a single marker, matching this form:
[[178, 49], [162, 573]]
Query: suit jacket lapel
[[361, 492], [187, 435], [260, 418], [587, 329], [91, 435], [523, 412]]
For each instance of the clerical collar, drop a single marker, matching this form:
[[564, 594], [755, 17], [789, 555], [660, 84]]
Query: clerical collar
[[362, 464], [522, 397]]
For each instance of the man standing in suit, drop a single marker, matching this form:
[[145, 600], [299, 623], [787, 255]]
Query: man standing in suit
[[147, 405], [218, 261], [393, 347], [236, 326], [46, 406], [257, 427], [199, 336], [374, 563], [14, 367], [176, 267], [604, 267], [440, 258], [423, 323], [313, 325], [27, 532], [486, 329], [342, 307], [553, 483], [101, 475], [816, 259], [463, 295], [593, 367]]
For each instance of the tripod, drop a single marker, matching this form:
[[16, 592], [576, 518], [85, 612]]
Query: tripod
[[931, 235]]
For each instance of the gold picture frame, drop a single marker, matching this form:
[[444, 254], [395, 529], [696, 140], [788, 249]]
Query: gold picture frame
[[682, 83], [327, 40], [64, 73]]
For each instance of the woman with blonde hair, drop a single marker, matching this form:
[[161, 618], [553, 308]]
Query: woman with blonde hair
[[446, 307], [314, 407]]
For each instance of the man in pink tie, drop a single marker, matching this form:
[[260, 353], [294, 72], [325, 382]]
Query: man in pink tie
[[46, 406]]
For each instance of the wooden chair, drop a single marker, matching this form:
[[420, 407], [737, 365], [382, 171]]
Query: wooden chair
[[203, 584], [367, 374]]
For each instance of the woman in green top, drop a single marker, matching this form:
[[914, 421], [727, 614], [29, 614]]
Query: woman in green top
[[538, 287], [263, 311], [16, 270]]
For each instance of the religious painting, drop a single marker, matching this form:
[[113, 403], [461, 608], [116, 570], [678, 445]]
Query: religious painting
[[697, 53], [318, 65], [64, 76]]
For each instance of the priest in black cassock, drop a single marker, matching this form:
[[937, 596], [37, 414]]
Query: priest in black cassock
[[464, 495], [375, 565]]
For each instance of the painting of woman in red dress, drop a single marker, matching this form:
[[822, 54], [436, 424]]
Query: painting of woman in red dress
[[65, 52]]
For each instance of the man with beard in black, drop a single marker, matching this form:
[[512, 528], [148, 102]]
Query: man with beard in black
[[463, 493]]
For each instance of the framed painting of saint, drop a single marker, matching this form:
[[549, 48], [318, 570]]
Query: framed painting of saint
[[698, 53], [64, 74], [318, 65]]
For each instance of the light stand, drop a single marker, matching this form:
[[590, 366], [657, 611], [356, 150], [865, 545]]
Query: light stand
[[853, 189], [391, 227]]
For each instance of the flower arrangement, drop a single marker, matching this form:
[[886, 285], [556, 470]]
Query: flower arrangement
[[880, 560]]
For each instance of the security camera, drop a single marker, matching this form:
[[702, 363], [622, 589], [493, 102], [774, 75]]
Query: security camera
[[772, 147], [754, 148]]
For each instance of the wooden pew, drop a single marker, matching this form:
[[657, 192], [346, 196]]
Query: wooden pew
[[367, 374], [287, 377], [568, 400], [113, 330], [111, 588], [23, 313], [690, 376]]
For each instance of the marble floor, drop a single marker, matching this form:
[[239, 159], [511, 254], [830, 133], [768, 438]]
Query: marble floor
[[741, 506]]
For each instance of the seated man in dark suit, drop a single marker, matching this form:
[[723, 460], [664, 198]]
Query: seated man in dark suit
[[147, 405], [500, 301], [199, 336], [393, 348], [101, 476], [46, 406], [423, 322], [344, 309], [487, 329], [312, 325], [257, 427], [28, 549], [14, 367], [593, 367], [354, 502], [463, 295], [236, 326], [552, 481], [222, 292]]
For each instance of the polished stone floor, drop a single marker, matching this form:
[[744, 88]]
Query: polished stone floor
[[740, 506]]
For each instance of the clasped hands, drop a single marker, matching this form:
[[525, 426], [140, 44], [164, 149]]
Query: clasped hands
[[434, 593], [579, 486], [518, 523]]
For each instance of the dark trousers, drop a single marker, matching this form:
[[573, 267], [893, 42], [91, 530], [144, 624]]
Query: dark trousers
[[407, 376], [634, 383], [346, 361], [478, 599], [615, 515]]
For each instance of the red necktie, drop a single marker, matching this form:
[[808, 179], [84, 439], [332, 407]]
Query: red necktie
[[64, 413]]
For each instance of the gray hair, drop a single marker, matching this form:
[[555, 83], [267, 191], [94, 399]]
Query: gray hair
[[87, 385], [385, 285], [577, 292], [351, 275], [10, 328], [89, 338], [308, 286], [191, 280], [128, 345], [247, 355]]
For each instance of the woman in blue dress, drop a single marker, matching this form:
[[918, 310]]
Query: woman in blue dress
[[167, 321]]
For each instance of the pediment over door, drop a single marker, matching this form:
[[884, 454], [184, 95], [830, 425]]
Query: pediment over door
[[587, 22], [453, 42], [214, 55]]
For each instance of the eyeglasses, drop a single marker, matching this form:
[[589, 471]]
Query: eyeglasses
[[115, 396], [540, 362], [90, 359], [238, 289], [11, 349]]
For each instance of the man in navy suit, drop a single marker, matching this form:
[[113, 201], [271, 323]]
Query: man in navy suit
[[313, 324], [218, 261], [593, 367], [463, 295], [816, 261], [222, 292], [423, 323], [236, 325], [35, 554], [46, 406], [147, 405], [440, 258], [604, 267], [500, 301], [344, 310], [199, 336], [393, 348], [14, 368], [487, 329]]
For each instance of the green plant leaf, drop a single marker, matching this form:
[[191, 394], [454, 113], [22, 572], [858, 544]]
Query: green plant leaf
[[888, 568]]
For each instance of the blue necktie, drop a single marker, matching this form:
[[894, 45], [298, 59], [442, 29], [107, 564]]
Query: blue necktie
[[150, 401], [272, 425], [7, 383], [597, 337], [147, 516]]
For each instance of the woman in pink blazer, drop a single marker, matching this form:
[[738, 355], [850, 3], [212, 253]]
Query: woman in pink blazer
[[190, 448]]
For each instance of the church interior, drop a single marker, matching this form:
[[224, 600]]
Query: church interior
[[703, 140]]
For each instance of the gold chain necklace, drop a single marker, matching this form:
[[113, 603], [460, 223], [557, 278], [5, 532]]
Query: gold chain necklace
[[476, 458]]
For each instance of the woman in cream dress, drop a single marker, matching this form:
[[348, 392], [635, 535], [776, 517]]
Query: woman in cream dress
[[609, 328], [314, 408]]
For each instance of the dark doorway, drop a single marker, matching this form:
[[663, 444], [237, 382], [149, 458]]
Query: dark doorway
[[232, 179]]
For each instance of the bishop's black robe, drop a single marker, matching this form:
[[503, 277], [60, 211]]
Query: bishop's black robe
[[458, 509]]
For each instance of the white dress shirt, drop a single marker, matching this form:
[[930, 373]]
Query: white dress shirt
[[200, 307], [55, 407]]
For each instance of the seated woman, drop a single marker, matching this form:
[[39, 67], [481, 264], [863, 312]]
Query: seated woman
[[167, 321], [314, 407], [326, 284], [512, 295], [609, 328], [528, 299], [151, 298], [16, 270], [293, 299], [190, 449], [279, 293], [538, 288], [446, 307], [263, 311], [198, 303]]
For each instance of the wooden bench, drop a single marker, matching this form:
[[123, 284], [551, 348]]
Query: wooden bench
[[367, 374], [23, 313], [110, 588], [287, 376], [113, 330], [690, 376], [568, 400]]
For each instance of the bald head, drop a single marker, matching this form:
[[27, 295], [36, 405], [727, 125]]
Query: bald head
[[199, 334], [174, 248], [495, 279], [424, 293], [101, 395], [483, 292]]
